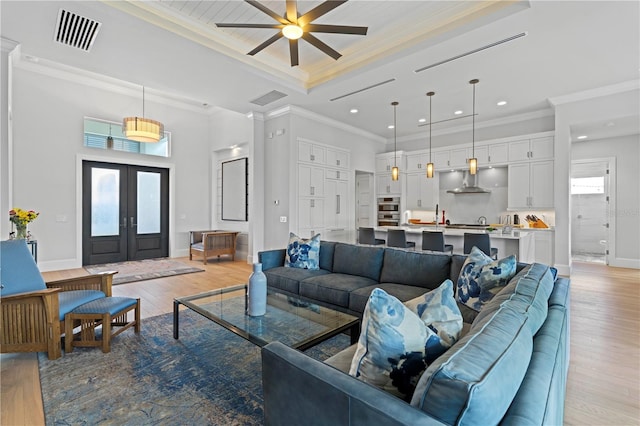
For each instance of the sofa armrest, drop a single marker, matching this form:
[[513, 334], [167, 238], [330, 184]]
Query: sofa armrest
[[272, 258], [102, 282], [315, 393]]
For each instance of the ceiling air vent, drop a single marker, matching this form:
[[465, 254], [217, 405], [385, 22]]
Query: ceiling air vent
[[75, 30], [272, 96]]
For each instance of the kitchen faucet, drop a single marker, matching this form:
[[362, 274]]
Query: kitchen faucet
[[482, 220]]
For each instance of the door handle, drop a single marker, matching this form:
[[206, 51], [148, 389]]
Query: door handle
[[133, 224], [124, 222]]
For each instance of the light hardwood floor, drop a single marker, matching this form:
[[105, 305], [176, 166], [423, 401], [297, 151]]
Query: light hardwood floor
[[604, 375]]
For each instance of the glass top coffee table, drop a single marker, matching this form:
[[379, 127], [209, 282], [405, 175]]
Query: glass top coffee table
[[295, 322]]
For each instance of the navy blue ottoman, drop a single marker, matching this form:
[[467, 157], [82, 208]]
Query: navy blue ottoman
[[110, 312]]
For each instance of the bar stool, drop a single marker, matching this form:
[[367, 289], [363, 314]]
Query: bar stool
[[398, 238], [368, 236], [482, 241], [434, 241]]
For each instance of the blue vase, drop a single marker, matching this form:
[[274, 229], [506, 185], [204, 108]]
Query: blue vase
[[257, 292]]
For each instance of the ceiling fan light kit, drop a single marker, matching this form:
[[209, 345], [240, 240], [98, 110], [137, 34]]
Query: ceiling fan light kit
[[294, 26]]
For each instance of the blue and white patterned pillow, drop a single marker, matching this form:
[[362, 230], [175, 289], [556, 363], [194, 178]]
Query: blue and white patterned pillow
[[303, 253], [481, 278], [395, 343], [439, 311]]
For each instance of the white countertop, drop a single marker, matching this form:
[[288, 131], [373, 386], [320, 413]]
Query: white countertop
[[455, 232]]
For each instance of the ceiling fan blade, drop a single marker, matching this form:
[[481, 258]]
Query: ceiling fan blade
[[318, 11], [292, 11], [268, 11], [293, 51], [277, 26], [266, 43], [321, 45], [340, 29]]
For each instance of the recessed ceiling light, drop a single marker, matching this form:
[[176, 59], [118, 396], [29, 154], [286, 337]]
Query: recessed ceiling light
[[353, 110], [582, 137], [422, 120], [458, 112], [501, 103], [390, 126]]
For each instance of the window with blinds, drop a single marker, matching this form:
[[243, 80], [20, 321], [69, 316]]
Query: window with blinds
[[107, 135]]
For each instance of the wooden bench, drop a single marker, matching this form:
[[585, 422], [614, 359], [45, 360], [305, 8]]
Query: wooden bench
[[212, 243]]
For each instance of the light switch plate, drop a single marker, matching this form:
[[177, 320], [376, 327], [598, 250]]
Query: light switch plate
[[283, 219]]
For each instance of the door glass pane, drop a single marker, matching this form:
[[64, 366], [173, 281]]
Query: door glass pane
[[148, 203], [105, 202]]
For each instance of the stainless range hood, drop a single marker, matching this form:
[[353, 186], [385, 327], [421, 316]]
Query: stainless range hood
[[469, 185]]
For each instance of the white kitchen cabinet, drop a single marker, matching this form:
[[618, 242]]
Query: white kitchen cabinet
[[311, 153], [336, 216], [386, 186], [422, 193], [417, 162], [459, 158], [310, 214], [531, 149], [530, 185], [310, 181], [336, 174], [441, 160], [386, 161], [337, 158], [544, 250], [498, 154]]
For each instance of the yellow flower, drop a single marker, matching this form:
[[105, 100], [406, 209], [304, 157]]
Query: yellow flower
[[22, 217]]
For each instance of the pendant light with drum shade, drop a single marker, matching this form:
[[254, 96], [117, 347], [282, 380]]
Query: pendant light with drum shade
[[430, 164], [395, 172], [141, 129], [473, 161]]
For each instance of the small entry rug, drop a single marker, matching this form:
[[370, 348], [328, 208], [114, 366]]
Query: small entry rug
[[209, 376], [140, 270]]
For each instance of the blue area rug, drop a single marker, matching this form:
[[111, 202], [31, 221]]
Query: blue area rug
[[208, 376]]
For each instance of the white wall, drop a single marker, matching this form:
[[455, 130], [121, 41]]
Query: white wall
[[626, 150], [48, 144]]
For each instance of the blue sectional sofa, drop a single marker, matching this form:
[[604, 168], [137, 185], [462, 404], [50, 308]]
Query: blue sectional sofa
[[509, 368]]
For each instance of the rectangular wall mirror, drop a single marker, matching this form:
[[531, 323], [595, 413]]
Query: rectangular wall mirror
[[235, 190]]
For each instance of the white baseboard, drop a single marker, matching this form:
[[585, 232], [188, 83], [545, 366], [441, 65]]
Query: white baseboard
[[564, 270], [58, 265], [625, 263]]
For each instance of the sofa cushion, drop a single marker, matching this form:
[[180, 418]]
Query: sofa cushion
[[528, 293], [333, 288], [439, 311], [476, 379], [327, 249], [303, 253], [359, 297], [392, 336], [69, 300], [358, 260], [481, 278], [288, 279], [426, 270], [18, 271]]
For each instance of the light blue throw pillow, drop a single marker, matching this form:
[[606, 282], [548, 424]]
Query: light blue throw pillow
[[396, 344], [303, 253], [481, 278]]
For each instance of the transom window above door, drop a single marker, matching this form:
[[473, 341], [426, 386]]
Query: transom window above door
[[108, 135]]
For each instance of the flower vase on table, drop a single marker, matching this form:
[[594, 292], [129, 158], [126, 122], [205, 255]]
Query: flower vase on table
[[21, 218], [21, 232]]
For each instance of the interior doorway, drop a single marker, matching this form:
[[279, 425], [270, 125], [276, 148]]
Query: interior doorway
[[125, 212], [591, 235], [364, 199]]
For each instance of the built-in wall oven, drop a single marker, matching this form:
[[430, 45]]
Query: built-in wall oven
[[388, 211]]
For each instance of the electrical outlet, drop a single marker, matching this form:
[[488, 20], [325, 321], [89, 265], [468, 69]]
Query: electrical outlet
[[283, 219]]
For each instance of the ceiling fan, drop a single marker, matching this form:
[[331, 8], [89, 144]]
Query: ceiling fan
[[294, 26]]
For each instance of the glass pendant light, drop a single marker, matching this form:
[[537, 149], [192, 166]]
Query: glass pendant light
[[395, 172], [430, 164], [473, 161]]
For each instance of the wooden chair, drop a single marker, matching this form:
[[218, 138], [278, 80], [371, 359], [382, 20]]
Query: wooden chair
[[32, 311], [212, 243], [398, 238], [368, 236], [482, 241], [434, 241]]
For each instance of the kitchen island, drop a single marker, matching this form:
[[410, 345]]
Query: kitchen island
[[520, 243]]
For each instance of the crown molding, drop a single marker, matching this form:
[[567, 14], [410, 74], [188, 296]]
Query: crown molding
[[88, 78], [301, 112], [613, 89], [7, 44]]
